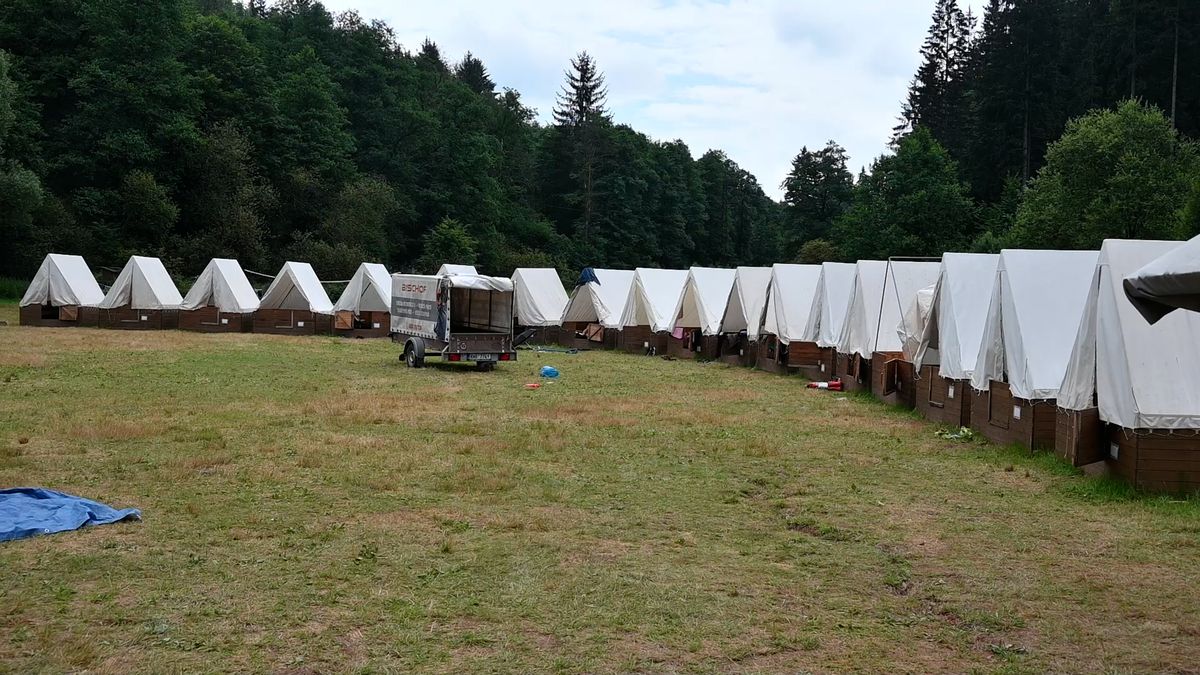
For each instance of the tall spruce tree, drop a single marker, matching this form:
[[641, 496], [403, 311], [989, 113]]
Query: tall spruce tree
[[471, 72], [937, 95], [582, 98], [584, 121]]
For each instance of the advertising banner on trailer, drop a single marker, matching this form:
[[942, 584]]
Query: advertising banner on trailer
[[417, 308]]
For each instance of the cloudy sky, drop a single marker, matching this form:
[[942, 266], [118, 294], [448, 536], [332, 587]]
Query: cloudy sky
[[757, 79]]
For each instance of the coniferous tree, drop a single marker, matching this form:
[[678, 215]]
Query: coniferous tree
[[471, 72], [816, 192], [581, 101], [430, 58], [584, 123], [937, 95]]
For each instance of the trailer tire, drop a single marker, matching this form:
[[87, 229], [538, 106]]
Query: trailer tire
[[414, 353]]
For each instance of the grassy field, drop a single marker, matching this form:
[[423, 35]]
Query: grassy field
[[310, 506]]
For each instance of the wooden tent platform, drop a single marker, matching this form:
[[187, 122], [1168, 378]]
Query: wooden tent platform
[[736, 350], [1006, 419], [638, 339], [941, 400], [126, 318], [50, 316], [212, 320], [892, 379], [291, 322], [854, 371], [1153, 460], [365, 325]]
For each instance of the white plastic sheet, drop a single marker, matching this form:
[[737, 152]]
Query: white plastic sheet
[[296, 287], [653, 298], [746, 301], [1143, 376], [1167, 283], [705, 297], [63, 280], [832, 299], [600, 302], [912, 325], [790, 301], [1033, 317], [540, 296], [369, 290], [223, 285], [143, 284], [954, 329]]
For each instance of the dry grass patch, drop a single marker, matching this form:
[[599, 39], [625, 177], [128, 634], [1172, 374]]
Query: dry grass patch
[[312, 506]]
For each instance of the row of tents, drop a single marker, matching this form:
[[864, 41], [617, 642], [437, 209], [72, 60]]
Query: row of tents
[[64, 292], [1040, 348]]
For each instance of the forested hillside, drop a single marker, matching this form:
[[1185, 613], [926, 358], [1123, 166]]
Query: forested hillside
[[190, 129]]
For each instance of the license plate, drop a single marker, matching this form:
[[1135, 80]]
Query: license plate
[[482, 357]]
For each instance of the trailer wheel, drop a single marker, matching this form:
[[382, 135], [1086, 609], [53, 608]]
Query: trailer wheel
[[414, 353]]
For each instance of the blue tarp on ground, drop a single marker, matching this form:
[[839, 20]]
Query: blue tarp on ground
[[27, 512]]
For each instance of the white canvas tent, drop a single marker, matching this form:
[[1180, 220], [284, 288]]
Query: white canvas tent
[[704, 299], [456, 269], [142, 284], [223, 285], [539, 296], [1167, 283], [790, 301], [296, 287], [954, 328], [747, 299], [63, 281], [653, 298], [599, 297], [831, 301], [881, 292], [1142, 375], [369, 290], [1033, 317]]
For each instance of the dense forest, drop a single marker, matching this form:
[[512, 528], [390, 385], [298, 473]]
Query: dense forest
[[189, 129]]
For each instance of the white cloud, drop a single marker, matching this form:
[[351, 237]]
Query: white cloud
[[755, 79]]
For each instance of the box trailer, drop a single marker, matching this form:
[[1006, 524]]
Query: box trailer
[[457, 317]]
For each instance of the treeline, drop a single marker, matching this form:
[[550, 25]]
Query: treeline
[[190, 129], [1047, 123]]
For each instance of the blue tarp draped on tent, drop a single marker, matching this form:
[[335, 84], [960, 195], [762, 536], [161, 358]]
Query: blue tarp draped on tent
[[587, 276], [27, 512]]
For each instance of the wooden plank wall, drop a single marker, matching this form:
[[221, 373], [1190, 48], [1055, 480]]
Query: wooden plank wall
[[632, 339], [854, 371], [287, 322], [892, 379], [769, 354], [736, 350], [363, 326], [208, 320], [934, 401], [56, 317], [994, 413], [1157, 461], [1079, 436], [125, 318]]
